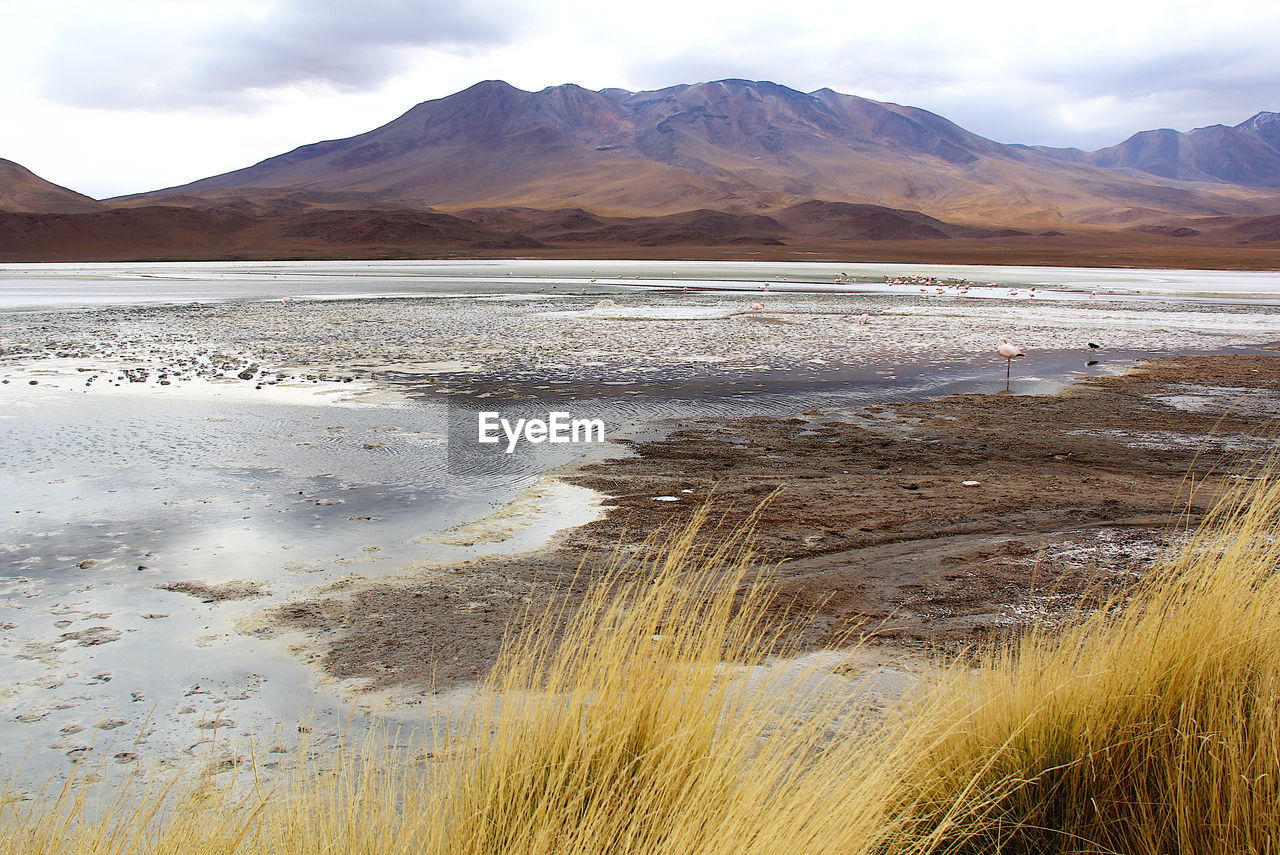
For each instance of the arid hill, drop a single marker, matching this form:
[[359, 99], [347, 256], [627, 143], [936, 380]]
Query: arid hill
[[288, 228], [732, 168], [164, 232], [1247, 154], [808, 231], [750, 147], [23, 190]]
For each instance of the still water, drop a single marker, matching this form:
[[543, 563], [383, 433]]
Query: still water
[[112, 488]]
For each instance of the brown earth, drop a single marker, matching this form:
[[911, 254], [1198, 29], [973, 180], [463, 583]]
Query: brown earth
[[309, 226], [872, 523], [23, 190], [235, 232]]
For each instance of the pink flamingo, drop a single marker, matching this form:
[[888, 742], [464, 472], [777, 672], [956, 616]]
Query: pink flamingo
[[1009, 352]]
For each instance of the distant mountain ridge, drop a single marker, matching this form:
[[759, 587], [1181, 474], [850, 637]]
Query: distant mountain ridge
[[1247, 154], [730, 167], [746, 147]]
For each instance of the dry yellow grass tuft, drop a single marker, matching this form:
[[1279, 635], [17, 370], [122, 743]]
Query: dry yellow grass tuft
[[1151, 725], [636, 724]]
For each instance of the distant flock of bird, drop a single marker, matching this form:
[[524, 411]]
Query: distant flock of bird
[[1005, 350]]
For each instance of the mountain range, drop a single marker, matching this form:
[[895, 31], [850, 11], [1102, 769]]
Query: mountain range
[[730, 162], [743, 146], [1247, 154]]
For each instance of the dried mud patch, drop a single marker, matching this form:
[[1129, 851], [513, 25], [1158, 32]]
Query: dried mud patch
[[870, 527], [215, 593]]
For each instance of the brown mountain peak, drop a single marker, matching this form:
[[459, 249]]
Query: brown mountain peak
[[753, 146], [21, 190]]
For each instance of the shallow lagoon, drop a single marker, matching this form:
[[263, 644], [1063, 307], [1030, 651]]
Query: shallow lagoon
[[304, 480]]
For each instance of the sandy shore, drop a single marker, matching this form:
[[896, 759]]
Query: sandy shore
[[878, 522]]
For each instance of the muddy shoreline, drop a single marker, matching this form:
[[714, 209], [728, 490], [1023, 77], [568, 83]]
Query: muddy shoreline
[[876, 522]]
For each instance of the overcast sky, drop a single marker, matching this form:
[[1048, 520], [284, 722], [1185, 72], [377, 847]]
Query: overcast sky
[[116, 97]]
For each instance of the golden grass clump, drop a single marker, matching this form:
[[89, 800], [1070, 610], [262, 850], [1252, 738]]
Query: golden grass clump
[[1151, 725], [647, 719]]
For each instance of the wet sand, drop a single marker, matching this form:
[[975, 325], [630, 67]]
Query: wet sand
[[873, 526]]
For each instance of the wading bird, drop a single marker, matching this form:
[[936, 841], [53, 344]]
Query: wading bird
[[1009, 352]]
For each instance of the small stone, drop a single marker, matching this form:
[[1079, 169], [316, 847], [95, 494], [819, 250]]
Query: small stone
[[970, 483]]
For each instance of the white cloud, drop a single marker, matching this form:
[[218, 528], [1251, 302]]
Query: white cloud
[[164, 55], [120, 97]]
